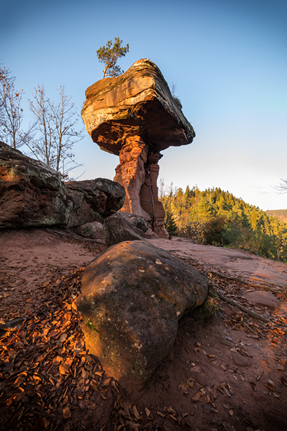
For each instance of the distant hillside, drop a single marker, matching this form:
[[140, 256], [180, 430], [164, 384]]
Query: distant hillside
[[216, 217], [280, 214]]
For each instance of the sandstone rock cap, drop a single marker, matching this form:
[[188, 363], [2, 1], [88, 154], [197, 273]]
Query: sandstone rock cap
[[133, 296], [137, 102]]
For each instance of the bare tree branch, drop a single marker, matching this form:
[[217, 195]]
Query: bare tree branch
[[11, 113], [57, 131], [281, 187]]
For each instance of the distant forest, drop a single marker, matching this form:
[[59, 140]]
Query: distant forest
[[216, 217], [280, 214]]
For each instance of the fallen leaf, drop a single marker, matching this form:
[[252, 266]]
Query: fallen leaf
[[147, 412], [281, 367], [80, 384], [196, 397], [170, 410], [68, 362], [53, 333], [107, 382], [207, 399], [94, 385], [85, 373], [136, 413], [63, 338], [63, 369], [67, 412], [184, 386], [259, 376]]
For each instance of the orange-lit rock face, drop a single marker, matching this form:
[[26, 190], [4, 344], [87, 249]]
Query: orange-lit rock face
[[131, 174], [139, 103], [136, 117], [138, 173]]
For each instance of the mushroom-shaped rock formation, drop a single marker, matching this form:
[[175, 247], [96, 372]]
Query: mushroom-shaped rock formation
[[133, 296], [135, 116]]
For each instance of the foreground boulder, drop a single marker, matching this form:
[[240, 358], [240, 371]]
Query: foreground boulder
[[32, 194], [133, 296], [118, 228], [135, 116]]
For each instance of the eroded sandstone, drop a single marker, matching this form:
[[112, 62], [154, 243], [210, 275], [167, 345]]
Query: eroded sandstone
[[33, 195], [135, 116], [133, 296], [136, 103]]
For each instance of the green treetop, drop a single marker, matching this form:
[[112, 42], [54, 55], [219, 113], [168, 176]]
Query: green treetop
[[109, 55]]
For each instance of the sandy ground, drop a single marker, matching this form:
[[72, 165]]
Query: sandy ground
[[236, 262], [224, 373]]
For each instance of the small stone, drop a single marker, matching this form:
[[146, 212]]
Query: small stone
[[240, 360], [264, 298]]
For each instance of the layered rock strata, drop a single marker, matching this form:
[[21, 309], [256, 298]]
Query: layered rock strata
[[32, 194], [133, 296], [135, 116]]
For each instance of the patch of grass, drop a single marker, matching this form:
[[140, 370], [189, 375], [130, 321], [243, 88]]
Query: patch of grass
[[210, 307], [92, 326]]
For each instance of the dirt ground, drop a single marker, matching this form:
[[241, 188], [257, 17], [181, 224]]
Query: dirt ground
[[226, 371]]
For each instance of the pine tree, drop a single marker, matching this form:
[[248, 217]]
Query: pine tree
[[110, 54], [170, 224]]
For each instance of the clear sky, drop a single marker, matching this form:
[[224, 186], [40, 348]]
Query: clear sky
[[228, 59]]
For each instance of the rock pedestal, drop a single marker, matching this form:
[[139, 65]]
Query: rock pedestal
[[149, 195], [137, 173], [130, 173], [135, 116]]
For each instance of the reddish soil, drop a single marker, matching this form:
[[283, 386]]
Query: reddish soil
[[227, 372]]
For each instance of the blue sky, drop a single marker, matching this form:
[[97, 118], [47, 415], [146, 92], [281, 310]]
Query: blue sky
[[228, 59]]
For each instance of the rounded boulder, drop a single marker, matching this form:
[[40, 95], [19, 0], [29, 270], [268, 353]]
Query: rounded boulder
[[133, 296]]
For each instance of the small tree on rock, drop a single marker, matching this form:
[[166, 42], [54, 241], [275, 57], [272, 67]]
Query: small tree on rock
[[109, 55]]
